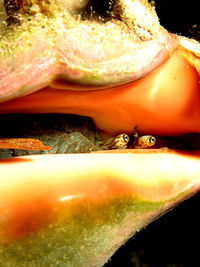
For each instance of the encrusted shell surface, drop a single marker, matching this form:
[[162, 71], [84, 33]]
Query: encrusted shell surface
[[51, 45]]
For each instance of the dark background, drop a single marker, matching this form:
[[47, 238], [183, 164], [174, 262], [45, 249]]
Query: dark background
[[174, 239], [175, 15], [171, 241]]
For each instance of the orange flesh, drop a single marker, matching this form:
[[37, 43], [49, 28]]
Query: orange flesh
[[164, 102], [22, 143]]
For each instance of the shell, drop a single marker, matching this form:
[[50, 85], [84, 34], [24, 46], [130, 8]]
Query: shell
[[78, 209], [144, 103], [49, 200], [95, 54], [86, 52]]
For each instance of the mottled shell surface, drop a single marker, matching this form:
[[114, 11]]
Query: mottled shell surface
[[56, 47]]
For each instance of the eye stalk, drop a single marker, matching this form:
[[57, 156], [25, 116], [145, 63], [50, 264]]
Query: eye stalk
[[126, 138], [152, 140], [118, 142], [145, 141]]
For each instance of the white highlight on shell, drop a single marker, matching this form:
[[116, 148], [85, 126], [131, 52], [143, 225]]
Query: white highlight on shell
[[70, 197], [190, 44]]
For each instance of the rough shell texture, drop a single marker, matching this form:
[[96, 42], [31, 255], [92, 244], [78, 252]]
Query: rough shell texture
[[50, 43]]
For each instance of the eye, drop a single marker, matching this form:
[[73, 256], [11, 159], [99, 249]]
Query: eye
[[152, 140], [126, 138]]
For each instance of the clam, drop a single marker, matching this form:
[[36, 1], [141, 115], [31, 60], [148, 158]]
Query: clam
[[125, 71]]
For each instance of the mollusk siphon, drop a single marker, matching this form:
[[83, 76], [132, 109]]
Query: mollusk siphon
[[77, 210]]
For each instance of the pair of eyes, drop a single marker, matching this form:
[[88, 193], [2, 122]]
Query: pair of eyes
[[151, 140]]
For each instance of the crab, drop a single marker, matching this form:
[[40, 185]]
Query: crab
[[78, 209]]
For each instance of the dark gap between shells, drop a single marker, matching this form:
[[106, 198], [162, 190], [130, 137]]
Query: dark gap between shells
[[71, 134]]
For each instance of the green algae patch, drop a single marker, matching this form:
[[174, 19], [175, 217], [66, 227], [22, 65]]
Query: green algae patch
[[83, 235]]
